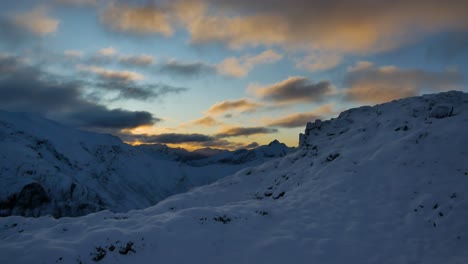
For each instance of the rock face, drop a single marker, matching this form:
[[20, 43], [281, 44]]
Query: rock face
[[383, 184], [31, 199], [417, 110]]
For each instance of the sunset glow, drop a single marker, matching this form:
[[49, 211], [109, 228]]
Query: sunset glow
[[222, 74]]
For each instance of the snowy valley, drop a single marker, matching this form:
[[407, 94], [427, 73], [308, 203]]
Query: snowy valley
[[382, 184], [49, 168]]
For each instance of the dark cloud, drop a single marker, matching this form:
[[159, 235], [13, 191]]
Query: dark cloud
[[295, 120], [101, 117], [301, 119], [251, 145], [195, 140], [79, 3], [183, 69], [132, 90], [137, 60], [12, 37], [225, 144], [169, 138], [293, 90], [450, 47], [27, 88], [245, 131], [368, 83]]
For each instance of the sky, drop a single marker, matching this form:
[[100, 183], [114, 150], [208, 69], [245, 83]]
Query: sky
[[223, 73]]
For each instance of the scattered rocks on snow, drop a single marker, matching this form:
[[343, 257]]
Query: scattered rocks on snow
[[223, 219], [128, 248], [332, 157], [99, 254]]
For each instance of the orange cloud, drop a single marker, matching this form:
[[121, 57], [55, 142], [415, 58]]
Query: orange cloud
[[37, 22], [206, 121], [335, 25], [242, 105], [137, 19], [240, 67], [110, 51], [368, 83], [301, 119], [293, 90], [121, 76]]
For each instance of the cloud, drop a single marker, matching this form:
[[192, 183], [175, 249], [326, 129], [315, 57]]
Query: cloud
[[242, 105], [244, 131], [142, 20], [293, 90], [110, 51], [169, 138], [118, 76], [11, 35], [240, 67], [450, 47], [205, 121], [37, 22], [335, 25], [73, 53], [126, 84], [251, 145], [232, 66], [75, 2], [28, 88], [319, 61], [193, 140], [368, 83], [102, 56], [101, 117], [184, 69], [110, 55], [132, 90], [137, 60], [301, 119]]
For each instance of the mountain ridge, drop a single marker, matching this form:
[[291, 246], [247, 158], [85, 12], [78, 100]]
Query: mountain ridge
[[49, 168], [391, 188]]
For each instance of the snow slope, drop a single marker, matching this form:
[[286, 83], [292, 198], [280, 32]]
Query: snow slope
[[48, 168], [383, 184]]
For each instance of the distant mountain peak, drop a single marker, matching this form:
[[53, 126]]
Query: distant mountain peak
[[274, 142]]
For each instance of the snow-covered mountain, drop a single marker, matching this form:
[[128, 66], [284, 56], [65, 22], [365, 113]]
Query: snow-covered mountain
[[244, 156], [383, 184], [205, 156], [161, 151], [48, 168]]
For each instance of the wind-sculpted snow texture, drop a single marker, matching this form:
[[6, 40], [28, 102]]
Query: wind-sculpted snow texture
[[48, 168], [383, 184]]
